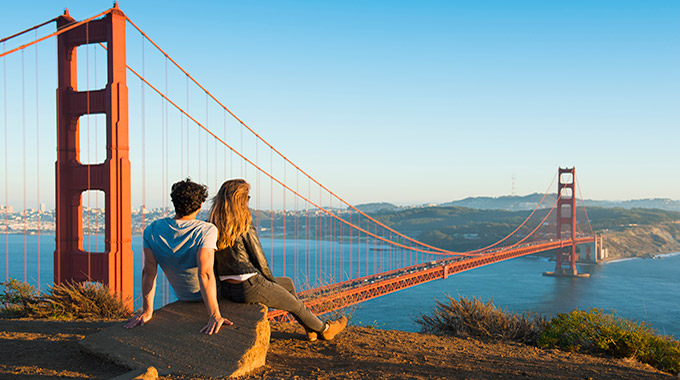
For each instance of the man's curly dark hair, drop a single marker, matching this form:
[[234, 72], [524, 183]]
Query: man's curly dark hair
[[188, 196]]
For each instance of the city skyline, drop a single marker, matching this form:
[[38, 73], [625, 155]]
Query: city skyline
[[413, 103]]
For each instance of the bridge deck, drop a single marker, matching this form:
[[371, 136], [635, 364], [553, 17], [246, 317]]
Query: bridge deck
[[347, 293]]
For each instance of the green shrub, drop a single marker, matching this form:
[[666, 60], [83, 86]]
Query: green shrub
[[472, 317], [17, 298], [596, 332]]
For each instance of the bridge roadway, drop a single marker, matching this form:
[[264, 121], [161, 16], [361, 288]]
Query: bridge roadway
[[335, 296]]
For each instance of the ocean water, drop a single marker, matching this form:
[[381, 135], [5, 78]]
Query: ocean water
[[639, 289]]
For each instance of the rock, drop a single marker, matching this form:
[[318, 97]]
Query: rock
[[172, 342], [139, 374]]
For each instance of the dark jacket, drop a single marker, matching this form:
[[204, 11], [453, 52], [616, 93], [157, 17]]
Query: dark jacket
[[244, 256]]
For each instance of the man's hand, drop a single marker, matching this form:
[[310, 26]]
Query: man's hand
[[214, 324], [138, 319]]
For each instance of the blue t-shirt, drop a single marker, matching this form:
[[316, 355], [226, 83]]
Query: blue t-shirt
[[175, 244]]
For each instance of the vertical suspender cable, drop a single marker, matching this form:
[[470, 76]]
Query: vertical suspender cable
[[164, 163], [308, 235], [198, 153], [283, 191], [4, 97], [23, 115], [96, 155], [143, 130], [188, 121], [296, 264], [164, 284], [368, 228], [330, 222], [351, 237], [37, 143], [207, 146], [87, 102], [258, 212], [224, 150], [359, 246], [271, 207]]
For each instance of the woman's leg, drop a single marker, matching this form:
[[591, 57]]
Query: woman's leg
[[286, 283], [272, 294]]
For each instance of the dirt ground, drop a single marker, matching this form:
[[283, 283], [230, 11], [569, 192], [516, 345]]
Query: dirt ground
[[36, 349]]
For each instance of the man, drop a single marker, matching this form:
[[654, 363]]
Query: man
[[185, 249]]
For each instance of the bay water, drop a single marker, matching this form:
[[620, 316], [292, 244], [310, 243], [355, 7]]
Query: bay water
[[638, 289]]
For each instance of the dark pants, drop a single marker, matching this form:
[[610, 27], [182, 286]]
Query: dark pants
[[278, 295]]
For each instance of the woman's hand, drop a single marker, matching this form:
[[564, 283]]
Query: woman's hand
[[139, 319], [214, 324]]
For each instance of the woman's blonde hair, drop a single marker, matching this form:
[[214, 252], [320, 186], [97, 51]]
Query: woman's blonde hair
[[229, 212]]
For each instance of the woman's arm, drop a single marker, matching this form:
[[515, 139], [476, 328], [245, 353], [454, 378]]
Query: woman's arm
[[256, 254]]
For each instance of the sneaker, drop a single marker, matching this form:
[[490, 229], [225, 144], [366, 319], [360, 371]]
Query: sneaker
[[334, 328], [311, 336]]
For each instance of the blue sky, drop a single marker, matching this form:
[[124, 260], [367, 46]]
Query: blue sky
[[428, 101]]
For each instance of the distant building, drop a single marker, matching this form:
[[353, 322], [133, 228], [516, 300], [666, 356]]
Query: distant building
[[8, 209], [42, 207]]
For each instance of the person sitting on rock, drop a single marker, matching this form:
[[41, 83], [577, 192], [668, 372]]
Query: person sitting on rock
[[185, 249], [242, 268]]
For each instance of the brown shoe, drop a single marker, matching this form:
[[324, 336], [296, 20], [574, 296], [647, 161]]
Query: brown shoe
[[334, 328]]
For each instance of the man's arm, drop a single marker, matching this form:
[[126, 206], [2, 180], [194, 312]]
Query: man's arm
[[206, 280], [149, 271]]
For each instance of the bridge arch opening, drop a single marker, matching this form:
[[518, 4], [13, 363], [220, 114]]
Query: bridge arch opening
[[92, 139]]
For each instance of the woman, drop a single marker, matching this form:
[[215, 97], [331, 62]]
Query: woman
[[243, 270]]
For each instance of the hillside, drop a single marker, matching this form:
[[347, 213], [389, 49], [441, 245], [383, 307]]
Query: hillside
[[528, 202], [627, 232], [644, 241]]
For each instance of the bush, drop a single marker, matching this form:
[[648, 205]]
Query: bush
[[595, 332], [17, 298], [472, 317], [64, 301], [75, 300]]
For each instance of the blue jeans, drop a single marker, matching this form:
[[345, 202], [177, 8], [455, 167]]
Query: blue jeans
[[278, 295]]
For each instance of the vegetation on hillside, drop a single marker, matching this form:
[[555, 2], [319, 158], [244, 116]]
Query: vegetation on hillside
[[472, 317], [591, 332]]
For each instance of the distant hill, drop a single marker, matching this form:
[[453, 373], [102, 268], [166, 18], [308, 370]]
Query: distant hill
[[377, 206], [528, 202]]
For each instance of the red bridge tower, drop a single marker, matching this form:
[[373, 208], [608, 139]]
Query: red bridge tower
[[112, 267], [566, 217]]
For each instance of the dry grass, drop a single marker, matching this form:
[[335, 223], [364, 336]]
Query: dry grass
[[89, 300], [472, 317]]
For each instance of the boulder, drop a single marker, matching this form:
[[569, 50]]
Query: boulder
[[172, 342]]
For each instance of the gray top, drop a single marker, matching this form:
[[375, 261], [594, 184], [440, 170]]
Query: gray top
[[175, 244]]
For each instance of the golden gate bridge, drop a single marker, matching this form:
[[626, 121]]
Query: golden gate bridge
[[336, 253]]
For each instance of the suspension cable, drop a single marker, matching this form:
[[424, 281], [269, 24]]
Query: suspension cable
[[58, 32], [28, 30]]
